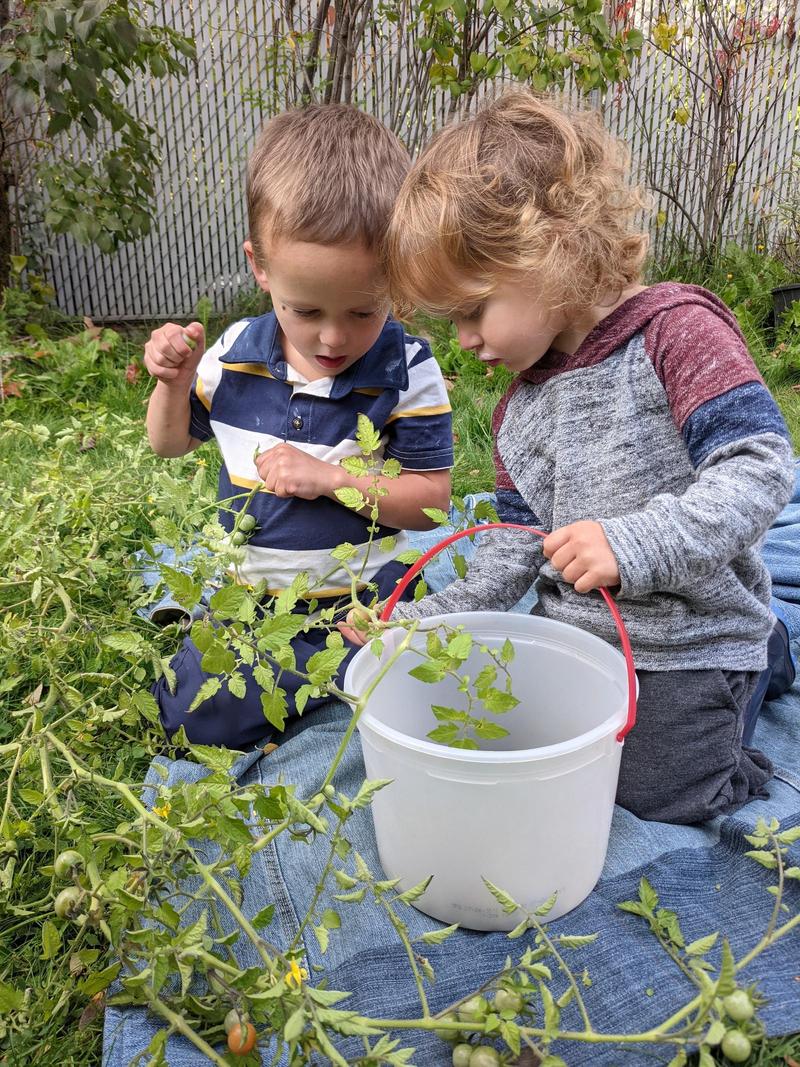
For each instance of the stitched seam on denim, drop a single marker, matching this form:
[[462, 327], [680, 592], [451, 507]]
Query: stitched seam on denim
[[790, 779], [283, 901]]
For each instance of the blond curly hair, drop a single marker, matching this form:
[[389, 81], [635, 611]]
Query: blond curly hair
[[525, 188]]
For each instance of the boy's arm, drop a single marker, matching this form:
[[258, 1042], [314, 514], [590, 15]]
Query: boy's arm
[[168, 417], [739, 446], [405, 496], [172, 360], [288, 471]]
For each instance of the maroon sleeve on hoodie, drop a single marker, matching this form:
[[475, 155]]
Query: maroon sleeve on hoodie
[[697, 356]]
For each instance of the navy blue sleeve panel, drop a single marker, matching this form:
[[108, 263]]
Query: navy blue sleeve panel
[[199, 416], [746, 411]]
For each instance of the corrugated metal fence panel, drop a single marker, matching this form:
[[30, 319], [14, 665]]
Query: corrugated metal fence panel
[[249, 66]]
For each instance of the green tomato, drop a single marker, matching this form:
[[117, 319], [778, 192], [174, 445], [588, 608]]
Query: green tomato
[[462, 1055], [247, 523], [447, 1034], [484, 1056], [735, 1045], [738, 1006], [66, 902], [238, 538], [473, 1010], [507, 1000], [67, 862]]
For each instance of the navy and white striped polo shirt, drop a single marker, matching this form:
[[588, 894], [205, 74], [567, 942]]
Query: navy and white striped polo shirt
[[248, 397]]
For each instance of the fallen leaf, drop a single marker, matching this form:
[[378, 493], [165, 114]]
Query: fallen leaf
[[269, 748], [790, 1062], [11, 388], [76, 966], [132, 372], [92, 1010], [91, 329], [449, 383], [34, 697], [87, 443]]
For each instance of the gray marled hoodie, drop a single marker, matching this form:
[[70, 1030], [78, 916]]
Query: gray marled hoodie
[[660, 428]]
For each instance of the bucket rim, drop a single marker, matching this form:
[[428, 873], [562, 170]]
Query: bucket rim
[[609, 725]]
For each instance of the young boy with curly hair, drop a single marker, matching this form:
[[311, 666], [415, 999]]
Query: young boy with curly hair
[[637, 429], [291, 385]]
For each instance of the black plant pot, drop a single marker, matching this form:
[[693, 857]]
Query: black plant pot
[[782, 299]]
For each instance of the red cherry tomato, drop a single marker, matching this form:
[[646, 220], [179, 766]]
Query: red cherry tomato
[[242, 1039]]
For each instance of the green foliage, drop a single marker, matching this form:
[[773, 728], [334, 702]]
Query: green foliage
[[69, 61], [79, 728], [457, 36]]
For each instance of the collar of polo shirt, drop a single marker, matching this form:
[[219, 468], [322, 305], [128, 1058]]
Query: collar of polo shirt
[[382, 367]]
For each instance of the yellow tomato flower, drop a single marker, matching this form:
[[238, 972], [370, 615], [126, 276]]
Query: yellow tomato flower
[[296, 974], [164, 810]]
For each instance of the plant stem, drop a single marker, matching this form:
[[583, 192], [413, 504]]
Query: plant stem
[[47, 782], [402, 933], [12, 776], [566, 970], [179, 1024], [362, 702], [320, 886]]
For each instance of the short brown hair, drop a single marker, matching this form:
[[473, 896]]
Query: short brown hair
[[327, 174], [522, 188]]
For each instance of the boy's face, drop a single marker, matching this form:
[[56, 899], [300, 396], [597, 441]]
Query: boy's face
[[326, 301], [512, 326]]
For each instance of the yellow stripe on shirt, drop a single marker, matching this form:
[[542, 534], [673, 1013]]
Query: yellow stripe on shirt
[[441, 409], [201, 395], [248, 483], [249, 368]]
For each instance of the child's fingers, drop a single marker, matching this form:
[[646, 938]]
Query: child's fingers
[[351, 635], [194, 336], [554, 541], [162, 353]]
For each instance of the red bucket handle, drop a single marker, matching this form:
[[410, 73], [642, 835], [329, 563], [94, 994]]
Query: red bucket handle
[[414, 570]]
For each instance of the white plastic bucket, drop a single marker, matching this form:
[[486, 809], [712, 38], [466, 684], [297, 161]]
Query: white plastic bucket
[[532, 812]]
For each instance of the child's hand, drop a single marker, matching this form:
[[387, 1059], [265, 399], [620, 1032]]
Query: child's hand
[[360, 625], [286, 471], [173, 352], [582, 554]]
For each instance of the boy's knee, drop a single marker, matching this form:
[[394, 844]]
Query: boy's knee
[[222, 719]]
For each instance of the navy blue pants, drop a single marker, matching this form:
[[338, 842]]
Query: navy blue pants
[[239, 723]]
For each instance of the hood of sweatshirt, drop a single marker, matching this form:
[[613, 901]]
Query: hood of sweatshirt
[[630, 318]]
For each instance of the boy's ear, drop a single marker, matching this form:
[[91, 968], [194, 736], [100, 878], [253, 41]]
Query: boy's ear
[[258, 272]]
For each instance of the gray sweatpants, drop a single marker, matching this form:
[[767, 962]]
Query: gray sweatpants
[[683, 762]]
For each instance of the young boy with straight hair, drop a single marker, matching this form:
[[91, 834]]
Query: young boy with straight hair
[[288, 388]]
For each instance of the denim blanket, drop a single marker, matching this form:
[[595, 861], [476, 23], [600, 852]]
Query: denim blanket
[[699, 872]]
